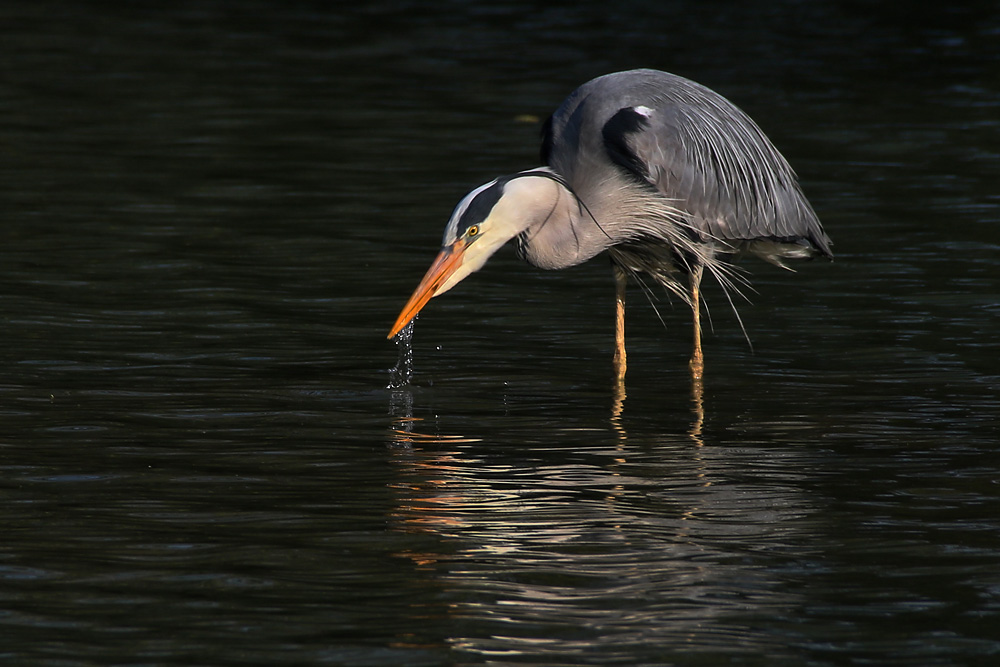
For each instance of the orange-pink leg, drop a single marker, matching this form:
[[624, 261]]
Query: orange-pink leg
[[697, 359], [619, 359]]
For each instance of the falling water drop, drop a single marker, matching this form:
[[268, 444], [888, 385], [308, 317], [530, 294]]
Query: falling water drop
[[399, 375]]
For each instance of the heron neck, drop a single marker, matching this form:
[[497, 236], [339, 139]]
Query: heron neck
[[563, 233]]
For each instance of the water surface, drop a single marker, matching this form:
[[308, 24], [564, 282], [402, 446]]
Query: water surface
[[213, 216]]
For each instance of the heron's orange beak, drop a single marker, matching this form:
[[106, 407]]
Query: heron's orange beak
[[445, 264]]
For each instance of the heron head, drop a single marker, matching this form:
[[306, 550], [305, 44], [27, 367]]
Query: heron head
[[483, 221]]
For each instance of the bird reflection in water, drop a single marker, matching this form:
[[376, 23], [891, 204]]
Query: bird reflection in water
[[618, 396], [497, 531], [500, 530]]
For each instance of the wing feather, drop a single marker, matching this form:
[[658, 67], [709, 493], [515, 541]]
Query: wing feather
[[713, 162]]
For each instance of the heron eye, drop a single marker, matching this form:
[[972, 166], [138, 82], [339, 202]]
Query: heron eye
[[472, 231]]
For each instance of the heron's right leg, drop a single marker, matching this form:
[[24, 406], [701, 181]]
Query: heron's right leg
[[619, 360], [697, 360]]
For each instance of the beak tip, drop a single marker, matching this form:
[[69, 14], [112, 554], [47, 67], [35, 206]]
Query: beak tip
[[400, 324], [395, 331], [445, 264]]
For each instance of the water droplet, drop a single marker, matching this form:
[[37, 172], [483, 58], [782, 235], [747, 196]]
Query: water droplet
[[399, 375]]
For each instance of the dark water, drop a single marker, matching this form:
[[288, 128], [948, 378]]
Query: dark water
[[213, 213]]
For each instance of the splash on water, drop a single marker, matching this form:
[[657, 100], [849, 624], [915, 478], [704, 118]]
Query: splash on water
[[399, 375]]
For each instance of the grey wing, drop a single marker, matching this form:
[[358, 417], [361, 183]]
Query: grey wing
[[714, 163]]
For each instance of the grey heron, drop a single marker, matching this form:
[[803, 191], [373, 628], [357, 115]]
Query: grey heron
[[667, 176]]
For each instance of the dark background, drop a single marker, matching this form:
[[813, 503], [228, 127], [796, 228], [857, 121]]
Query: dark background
[[212, 213]]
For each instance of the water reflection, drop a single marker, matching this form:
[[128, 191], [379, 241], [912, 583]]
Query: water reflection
[[698, 408], [619, 394], [569, 548]]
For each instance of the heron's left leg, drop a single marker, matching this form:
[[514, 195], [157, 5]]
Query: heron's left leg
[[619, 360], [697, 360]]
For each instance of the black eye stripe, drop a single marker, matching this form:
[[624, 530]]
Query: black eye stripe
[[480, 206]]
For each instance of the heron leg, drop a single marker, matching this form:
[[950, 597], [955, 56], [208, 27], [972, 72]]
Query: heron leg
[[697, 360], [619, 360]]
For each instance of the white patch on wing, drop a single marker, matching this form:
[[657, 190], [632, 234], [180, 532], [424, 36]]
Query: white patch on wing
[[643, 111]]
